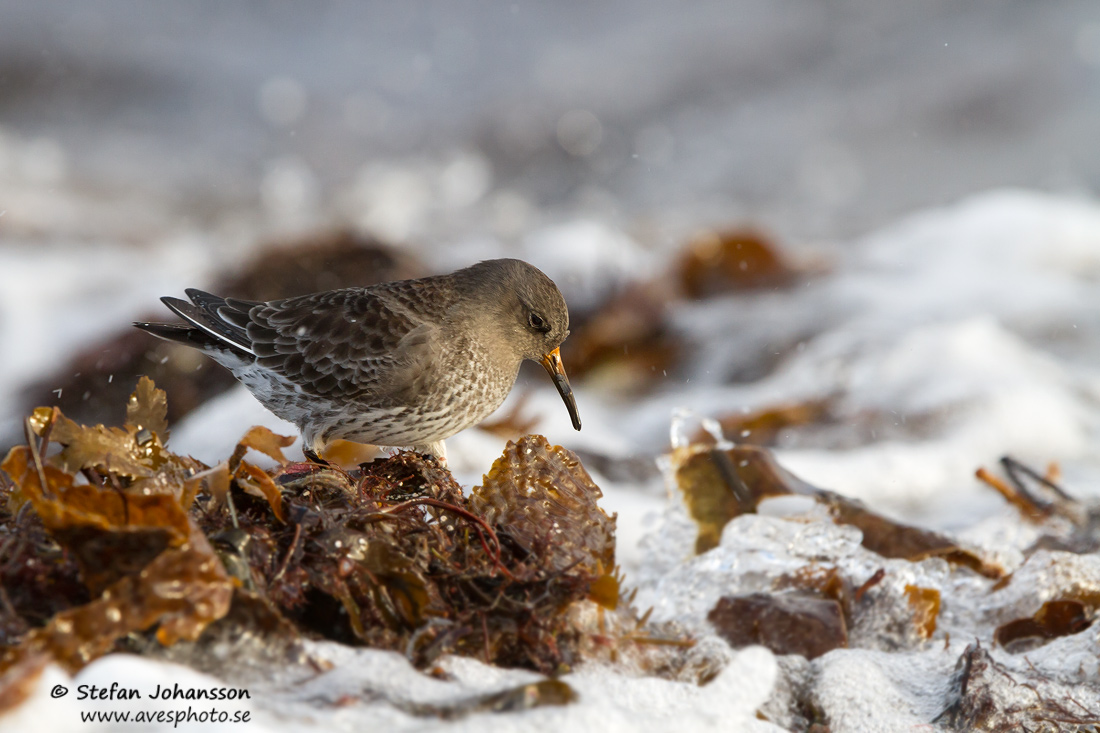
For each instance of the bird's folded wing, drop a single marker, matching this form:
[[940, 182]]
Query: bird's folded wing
[[347, 344]]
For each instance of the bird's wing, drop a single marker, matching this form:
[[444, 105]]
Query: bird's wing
[[345, 344]]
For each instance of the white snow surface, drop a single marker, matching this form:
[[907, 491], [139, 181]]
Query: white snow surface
[[943, 342]]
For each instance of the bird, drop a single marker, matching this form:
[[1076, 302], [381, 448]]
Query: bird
[[403, 364]]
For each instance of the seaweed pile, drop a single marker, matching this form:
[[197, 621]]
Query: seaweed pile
[[107, 539]]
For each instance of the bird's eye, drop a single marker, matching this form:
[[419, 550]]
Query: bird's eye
[[535, 321]]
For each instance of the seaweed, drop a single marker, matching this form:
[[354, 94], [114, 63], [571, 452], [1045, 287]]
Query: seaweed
[[1031, 506], [628, 341], [719, 262], [1067, 523], [108, 538], [925, 603], [1059, 617], [142, 559], [718, 484], [764, 426], [811, 611], [521, 697]]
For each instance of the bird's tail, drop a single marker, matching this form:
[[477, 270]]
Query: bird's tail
[[213, 323]]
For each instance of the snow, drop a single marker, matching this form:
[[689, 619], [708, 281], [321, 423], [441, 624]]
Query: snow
[[206, 432], [608, 701]]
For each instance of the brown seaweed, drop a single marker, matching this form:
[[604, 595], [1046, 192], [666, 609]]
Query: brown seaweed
[[1059, 617], [546, 502], [18, 681], [513, 699], [718, 262], [765, 425], [143, 560], [925, 603], [628, 342], [720, 484]]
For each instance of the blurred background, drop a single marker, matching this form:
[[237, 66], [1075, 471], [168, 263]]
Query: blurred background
[[814, 119], [640, 153]]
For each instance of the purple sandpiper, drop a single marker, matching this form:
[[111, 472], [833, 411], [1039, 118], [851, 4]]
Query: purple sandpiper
[[406, 363]]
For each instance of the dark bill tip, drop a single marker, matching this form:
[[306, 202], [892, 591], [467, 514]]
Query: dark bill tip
[[552, 363]]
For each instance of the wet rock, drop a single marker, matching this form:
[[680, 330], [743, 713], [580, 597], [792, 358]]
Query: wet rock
[[988, 695], [784, 623]]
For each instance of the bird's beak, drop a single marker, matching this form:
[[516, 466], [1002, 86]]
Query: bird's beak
[[553, 365]]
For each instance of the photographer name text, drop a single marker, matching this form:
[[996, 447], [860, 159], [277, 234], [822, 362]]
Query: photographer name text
[[175, 692]]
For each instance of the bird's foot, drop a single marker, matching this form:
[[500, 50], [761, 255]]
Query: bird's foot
[[313, 457]]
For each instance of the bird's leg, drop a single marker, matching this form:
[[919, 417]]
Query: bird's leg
[[437, 449]]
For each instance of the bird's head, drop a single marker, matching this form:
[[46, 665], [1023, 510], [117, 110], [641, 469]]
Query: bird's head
[[528, 308]]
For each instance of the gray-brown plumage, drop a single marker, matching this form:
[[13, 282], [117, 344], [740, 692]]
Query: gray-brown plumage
[[405, 363]]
